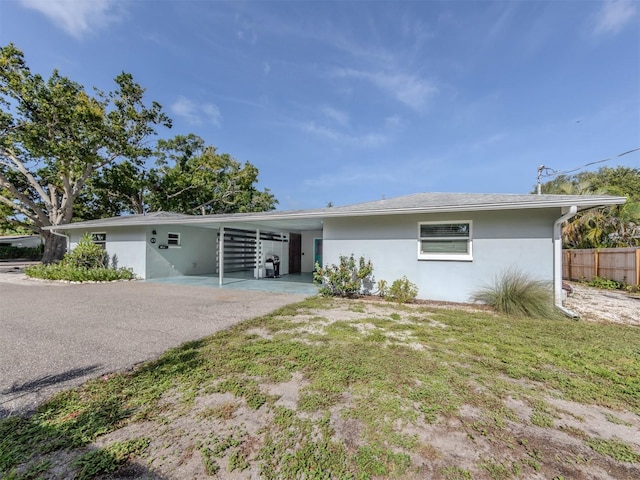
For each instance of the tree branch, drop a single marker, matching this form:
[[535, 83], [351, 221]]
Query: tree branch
[[19, 165], [29, 214], [35, 209], [173, 195]]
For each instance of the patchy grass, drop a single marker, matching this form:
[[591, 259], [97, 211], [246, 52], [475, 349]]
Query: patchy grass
[[332, 388]]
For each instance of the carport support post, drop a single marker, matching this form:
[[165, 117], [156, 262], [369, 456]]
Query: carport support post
[[258, 255], [221, 257]]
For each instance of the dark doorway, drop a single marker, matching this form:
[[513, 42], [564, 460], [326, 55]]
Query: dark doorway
[[295, 252]]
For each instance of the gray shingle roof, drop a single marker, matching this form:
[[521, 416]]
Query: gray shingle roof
[[415, 203], [478, 201]]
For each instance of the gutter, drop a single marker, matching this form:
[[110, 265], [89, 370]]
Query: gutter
[[557, 261]]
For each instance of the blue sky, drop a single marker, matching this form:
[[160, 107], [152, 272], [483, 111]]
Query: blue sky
[[345, 102]]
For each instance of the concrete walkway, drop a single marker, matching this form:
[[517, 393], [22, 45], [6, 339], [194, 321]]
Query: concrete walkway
[[55, 335]]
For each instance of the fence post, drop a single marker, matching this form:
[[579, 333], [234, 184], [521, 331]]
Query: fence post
[[596, 261], [637, 267]]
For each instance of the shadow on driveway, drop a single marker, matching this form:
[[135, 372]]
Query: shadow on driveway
[[57, 336]]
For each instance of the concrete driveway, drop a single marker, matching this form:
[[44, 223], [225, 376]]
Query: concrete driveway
[[54, 335]]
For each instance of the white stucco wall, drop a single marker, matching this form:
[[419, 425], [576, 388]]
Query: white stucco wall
[[126, 245], [307, 249], [501, 240], [195, 256]]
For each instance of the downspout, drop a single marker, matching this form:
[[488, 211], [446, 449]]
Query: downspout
[[557, 260]]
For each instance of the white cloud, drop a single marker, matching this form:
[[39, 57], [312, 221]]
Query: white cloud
[[349, 177], [213, 113], [615, 15], [367, 140], [408, 89], [78, 18], [337, 116], [196, 114], [393, 121]]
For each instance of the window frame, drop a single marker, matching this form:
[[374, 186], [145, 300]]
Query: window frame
[[178, 239], [449, 256], [102, 243]]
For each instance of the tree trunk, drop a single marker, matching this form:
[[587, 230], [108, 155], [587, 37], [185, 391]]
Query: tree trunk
[[55, 247]]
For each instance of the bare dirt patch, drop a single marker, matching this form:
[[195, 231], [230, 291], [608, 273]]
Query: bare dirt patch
[[508, 443], [530, 433], [598, 305]]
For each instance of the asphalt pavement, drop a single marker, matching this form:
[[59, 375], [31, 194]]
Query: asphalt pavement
[[55, 336]]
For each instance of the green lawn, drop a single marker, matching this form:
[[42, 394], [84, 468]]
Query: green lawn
[[354, 389]]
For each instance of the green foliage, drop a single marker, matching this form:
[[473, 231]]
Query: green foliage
[[402, 291], [360, 398], [515, 293], [54, 136], [194, 178], [615, 449], [612, 226], [382, 288], [605, 283], [349, 279], [114, 190], [87, 262], [455, 473], [87, 255], [618, 180], [211, 466], [61, 271], [29, 253], [109, 459]]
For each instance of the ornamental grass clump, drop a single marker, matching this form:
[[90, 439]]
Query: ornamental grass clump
[[515, 293]]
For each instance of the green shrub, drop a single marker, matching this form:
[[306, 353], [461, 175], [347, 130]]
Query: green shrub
[[515, 293], [348, 279], [29, 253], [402, 291], [605, 283], [62, 271], [87, 262], [382, 288], [87, 254]]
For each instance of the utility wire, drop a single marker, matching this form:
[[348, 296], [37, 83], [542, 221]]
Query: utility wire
[[549, 172]]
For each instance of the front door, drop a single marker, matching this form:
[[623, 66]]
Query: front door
[[295, 253], [317, 252]]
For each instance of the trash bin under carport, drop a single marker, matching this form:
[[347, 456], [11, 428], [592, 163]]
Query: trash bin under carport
[[272, 266]]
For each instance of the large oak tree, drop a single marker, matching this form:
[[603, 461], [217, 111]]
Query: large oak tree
[[188, 177], [193, 178], [54, 136]]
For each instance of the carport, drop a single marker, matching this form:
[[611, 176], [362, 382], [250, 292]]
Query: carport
[[224, 249]]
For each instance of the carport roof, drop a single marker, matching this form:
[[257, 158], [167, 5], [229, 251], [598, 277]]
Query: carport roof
[[312, 219]]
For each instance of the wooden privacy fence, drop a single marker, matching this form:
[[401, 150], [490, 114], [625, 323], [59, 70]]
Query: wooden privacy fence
[[619, 264]]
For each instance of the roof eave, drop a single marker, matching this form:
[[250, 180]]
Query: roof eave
[[582, 204]]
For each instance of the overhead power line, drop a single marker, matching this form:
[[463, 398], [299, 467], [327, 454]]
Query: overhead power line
[[564, 172], [544, 171]]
